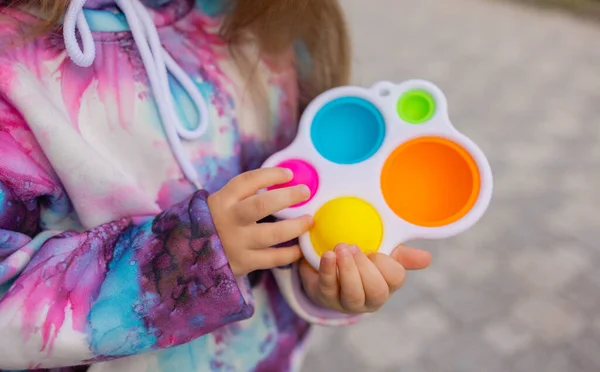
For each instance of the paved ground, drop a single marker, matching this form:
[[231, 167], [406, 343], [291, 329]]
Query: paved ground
[[521, 291]]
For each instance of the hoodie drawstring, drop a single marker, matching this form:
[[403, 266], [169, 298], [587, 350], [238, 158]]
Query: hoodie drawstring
[[158, 64]]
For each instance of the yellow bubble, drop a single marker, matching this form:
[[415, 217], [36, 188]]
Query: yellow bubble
[[347, 220]]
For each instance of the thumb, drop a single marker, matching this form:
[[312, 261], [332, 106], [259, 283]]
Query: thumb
[[411, 258]]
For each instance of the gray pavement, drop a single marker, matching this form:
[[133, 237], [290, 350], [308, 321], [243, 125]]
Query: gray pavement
[[521, 290]]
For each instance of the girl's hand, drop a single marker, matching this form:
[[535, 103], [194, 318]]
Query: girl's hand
[[237, 207], [351, 282]]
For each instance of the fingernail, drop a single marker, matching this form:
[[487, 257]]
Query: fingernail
[[289, 173], [343, 251], [311, 220], [337, 247], [305, 191], [328, 257], [354, 249]]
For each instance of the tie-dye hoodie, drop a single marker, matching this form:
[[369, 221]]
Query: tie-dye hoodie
[[109, 259]]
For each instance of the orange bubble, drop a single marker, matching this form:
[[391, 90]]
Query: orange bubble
[[430, 182]]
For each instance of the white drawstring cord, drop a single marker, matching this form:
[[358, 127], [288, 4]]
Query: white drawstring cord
[[157, 62], [163, 58], [74, 19]]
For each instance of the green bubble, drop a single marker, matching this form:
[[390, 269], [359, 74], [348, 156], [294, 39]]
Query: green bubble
[[416, 106]]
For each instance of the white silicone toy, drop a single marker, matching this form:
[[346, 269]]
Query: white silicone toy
[[386, 166]]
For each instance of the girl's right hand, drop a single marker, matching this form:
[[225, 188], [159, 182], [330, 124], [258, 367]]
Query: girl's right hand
[[237, 207]]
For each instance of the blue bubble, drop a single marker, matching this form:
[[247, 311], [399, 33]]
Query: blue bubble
[[348, 130]]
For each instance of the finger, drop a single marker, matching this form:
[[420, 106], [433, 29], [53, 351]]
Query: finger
[[411, 258], [375, 287], [352, 293], [329, 285], [270, 258], [392, 272], [257, 207], [249, 183], [275, 233]]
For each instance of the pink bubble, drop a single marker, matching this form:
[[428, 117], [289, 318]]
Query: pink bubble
[[304, 173]]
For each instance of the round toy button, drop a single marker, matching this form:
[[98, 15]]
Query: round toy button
[[416, 106], [304, 173], [347, 220], [348, 130], [430, 182]]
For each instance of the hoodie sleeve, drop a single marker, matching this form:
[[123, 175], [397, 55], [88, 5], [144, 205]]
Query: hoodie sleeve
[[126, 287]]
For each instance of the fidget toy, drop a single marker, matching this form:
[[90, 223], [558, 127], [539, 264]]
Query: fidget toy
[[384, 165]]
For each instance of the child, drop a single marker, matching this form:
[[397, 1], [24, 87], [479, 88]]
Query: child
[[128, 205]]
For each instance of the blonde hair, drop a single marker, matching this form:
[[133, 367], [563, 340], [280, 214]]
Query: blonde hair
[[275, 25]]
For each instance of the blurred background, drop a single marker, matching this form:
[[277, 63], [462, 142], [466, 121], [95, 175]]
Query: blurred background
[[520, 292]]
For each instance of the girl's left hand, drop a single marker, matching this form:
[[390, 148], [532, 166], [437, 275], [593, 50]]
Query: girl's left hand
[[351, 282]]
